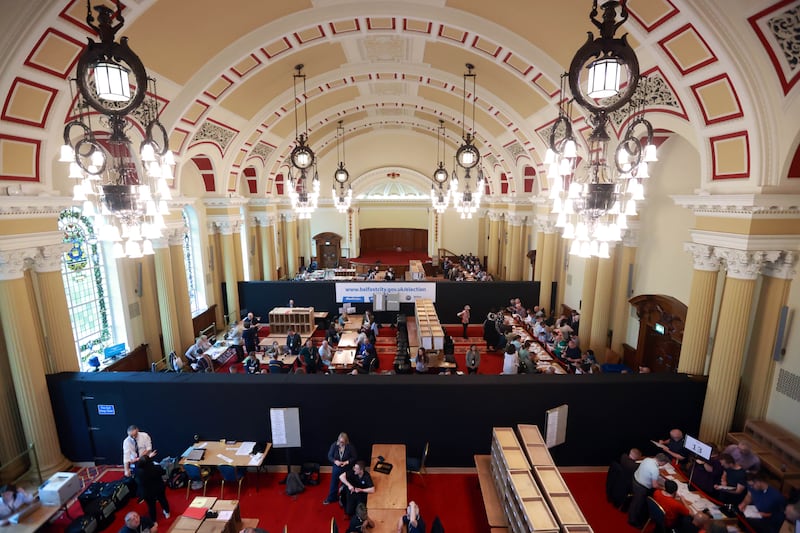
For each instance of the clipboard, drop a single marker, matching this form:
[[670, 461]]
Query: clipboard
[[383, 468]]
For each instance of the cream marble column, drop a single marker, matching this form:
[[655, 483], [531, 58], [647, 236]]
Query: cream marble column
[[352, 237], [515, 254], [701, 307], [227, 238], [621, 310], [256, 249], [216, 268], [17, 313], [267, 265], [151, 314], [290, 238], [588, 301], [59, 342], [304, 236], [601, 312], [238, 253], [180, 288], [12, 438], [726, 359], [754, 392], [527, 246], [492, 263], [537, 267], [170, 330], [548, 258]]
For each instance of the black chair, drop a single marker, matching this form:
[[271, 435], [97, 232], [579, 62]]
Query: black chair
[[657, 515], [619, 489], [334, 527], [437, 526], [416, 465]]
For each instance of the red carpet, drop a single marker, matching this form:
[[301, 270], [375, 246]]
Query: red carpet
[[589, 490]]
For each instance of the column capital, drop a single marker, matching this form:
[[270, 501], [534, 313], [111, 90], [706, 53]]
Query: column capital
[[12, 264], [630, 238], [703, 256], [48, 258], [515, 220], [493, 215], [545, 224], [289, 215], [174, 236], [160, 243], [741, 264], [261, 220], [226, 226], [782, 267]]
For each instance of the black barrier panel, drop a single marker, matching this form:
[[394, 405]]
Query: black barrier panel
[[607, 413], [261, 297]]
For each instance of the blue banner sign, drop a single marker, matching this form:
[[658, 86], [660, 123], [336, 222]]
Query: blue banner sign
[[106, 409]]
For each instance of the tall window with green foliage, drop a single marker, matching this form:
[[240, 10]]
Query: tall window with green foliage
[[189, 263], [85, 283]]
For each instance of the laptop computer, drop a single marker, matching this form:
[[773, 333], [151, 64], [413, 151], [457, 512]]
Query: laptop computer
[[196, 455], [382, 467]]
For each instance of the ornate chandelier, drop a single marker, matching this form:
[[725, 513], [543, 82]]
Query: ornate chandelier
[[440, 197], [467, 157], [304, 197], [594, 199], [124, 192], [343, 197]]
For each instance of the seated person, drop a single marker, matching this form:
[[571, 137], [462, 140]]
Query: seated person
[[412, 520], [768, 501], [705, 474], [360, 522], [366, 362], [675, 512], [332, 334], [449, 350], [194, 352], [251, 364], [357, 485], [526, 364], [13, 499], [325, 355], [309, 356], [630, 461], [572, 353], [421, 364], [275, 366], [273, 349], [732, 487], [744, 456], [390, 275], [203, 364], [673, 446], [138, 524]]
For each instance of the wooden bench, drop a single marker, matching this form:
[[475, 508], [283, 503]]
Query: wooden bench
[[777, 448], [491, 501]]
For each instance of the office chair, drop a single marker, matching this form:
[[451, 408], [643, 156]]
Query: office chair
[[618, 486], [657, 515], [172, 362], [415, 465], [334, 527], [196, 473], [230, 474]]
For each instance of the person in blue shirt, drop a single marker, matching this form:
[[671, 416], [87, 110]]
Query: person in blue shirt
[[768, 501], [412, 520], [342, 456]]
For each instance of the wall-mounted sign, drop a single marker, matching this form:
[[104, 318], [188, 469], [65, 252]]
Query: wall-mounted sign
[[103, 409], [659, 328]]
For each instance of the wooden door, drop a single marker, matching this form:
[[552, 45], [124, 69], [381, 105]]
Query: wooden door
[[661, 352], [328, 256]]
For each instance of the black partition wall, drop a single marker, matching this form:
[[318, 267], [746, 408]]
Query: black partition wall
[[607, 413], [262, 296]]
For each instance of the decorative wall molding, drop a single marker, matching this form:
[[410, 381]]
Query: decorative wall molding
[[703, 256], [741, 205]]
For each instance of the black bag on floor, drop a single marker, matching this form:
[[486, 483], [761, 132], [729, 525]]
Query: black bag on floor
[[103, 510], [118, 492], [92, 493], [294, 485], [82, 524], [309, 474]]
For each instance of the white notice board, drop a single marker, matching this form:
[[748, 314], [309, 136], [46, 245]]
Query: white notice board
[[285, 425], [556, 426]]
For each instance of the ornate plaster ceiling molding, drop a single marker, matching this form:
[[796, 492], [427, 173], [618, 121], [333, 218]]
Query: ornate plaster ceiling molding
[[741, 205], [746, 242], [225, 201], [34, 206]]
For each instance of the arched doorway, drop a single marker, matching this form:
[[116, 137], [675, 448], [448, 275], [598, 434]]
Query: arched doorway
[[329, 249], [661, 323]]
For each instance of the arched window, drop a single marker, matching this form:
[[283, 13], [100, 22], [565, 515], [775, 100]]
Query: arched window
[[192, 261], [86, 287]]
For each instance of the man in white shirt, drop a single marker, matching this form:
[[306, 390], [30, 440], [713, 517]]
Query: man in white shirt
[[646, 479], [135, 445]]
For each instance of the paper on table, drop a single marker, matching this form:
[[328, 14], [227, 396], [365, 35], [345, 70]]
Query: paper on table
[[751, 512], [201, 446], [225, 458], [224, 515], [245, 448], [255, 459], [669, 468]]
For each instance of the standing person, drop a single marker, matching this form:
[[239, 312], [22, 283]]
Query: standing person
[[138, 524], [136, 445], [464, 316], [13, 499], [358, 484], [646, 479], [310, 357], [342, 455], [325, 355], [511, 360], [235, 338], [151, 486], [769, 503], [412, 520], [473, 357], [250, 338], [293, 342]]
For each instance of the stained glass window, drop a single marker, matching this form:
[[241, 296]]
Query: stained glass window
[[85, 283]]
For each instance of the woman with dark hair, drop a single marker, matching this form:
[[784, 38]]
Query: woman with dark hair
[[13, 499], [151, 487], [422, 361]]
